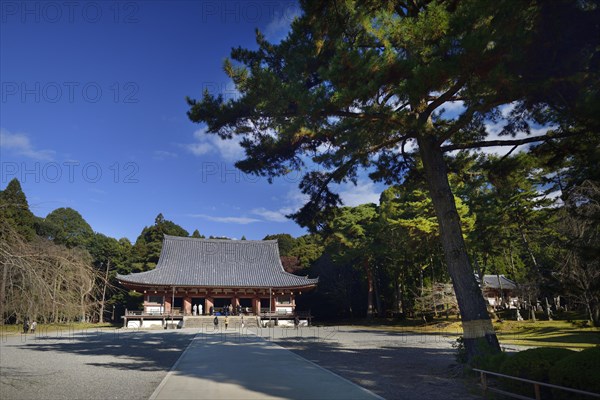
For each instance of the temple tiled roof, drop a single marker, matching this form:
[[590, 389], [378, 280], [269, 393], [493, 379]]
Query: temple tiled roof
[[218, 263], [497, 281]]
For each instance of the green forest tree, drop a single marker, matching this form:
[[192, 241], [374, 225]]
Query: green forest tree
[[67, 227], [147, 247], [349, 238], [14, 210]]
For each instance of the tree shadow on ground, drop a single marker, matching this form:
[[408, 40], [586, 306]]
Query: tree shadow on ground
[[393, 364], [135, 350], [393, 372], [397, 366]]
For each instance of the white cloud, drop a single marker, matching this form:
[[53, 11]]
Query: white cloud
[[293, 200], [164, 155], [21, 144], [97, 191], [505, 110], [226, 220], [279, 26], [494, 130], [364, 192], [273, 215], [199, 149], [229, 150], [453, 108], [554, 197]]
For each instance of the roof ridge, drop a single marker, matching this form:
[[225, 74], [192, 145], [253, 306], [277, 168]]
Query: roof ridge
[[171, 237]]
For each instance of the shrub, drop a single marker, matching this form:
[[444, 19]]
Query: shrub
[[483, 352], [490, 362], [461, 351], [578, 371], [534, 364]]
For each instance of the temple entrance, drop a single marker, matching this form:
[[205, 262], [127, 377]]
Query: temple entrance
[[178, 305], [220, 305], [246, 305], [265, 305], [199, 303]]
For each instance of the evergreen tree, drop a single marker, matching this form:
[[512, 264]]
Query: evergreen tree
[[67, 227], [196, 234], [14, 210], [285, 242], [147, 248]]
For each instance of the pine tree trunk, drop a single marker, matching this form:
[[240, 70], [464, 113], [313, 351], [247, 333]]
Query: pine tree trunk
[[477, 326]]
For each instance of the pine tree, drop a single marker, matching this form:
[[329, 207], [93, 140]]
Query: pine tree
[[359, 84]]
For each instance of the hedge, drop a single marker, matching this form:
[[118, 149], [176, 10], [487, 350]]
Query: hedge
[[578, 371], [534, 364]]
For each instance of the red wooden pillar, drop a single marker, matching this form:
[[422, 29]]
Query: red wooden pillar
[[187, 305], [208, 303], [168, 304], [256, 305], [235, 301]]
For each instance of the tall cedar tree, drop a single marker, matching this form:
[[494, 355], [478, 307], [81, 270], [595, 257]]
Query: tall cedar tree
[[14, 210], [361, 84]]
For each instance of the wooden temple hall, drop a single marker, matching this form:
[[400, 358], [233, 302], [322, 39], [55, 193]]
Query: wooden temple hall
[[197, 277]]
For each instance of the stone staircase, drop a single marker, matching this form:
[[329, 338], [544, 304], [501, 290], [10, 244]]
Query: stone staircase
[[206, 321]]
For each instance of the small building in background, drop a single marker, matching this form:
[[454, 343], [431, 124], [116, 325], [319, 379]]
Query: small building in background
[[499, 291]]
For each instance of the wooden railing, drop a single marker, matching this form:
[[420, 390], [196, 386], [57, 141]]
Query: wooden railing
[[536, 386], [176, 311], [141, 313]]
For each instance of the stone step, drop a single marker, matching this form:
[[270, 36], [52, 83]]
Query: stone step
[[199, 322]]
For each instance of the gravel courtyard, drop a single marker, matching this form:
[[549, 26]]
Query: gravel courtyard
[[394, 365], [96, 364], [121, 364]]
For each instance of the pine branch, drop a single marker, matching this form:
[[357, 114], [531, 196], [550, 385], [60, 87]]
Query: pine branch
[[513, 142]]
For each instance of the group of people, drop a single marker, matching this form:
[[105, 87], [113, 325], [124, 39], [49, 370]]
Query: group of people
[[227, 310], [197, 309], [29, 327], [226, 322]]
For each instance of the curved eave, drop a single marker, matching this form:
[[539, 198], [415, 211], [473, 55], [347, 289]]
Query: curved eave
[[308, 284]]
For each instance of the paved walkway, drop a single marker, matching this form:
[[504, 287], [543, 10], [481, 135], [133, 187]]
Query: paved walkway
[[232, 366]]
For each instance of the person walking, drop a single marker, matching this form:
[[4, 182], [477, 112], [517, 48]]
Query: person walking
[[226, 322], [25, 325], [194, 309], [216, 322], [33, 326]]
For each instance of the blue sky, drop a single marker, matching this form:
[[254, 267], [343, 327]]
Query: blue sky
[[93, 114]]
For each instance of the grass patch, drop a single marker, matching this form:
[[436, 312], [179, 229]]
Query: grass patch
[[571, 334], [555, 333]]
